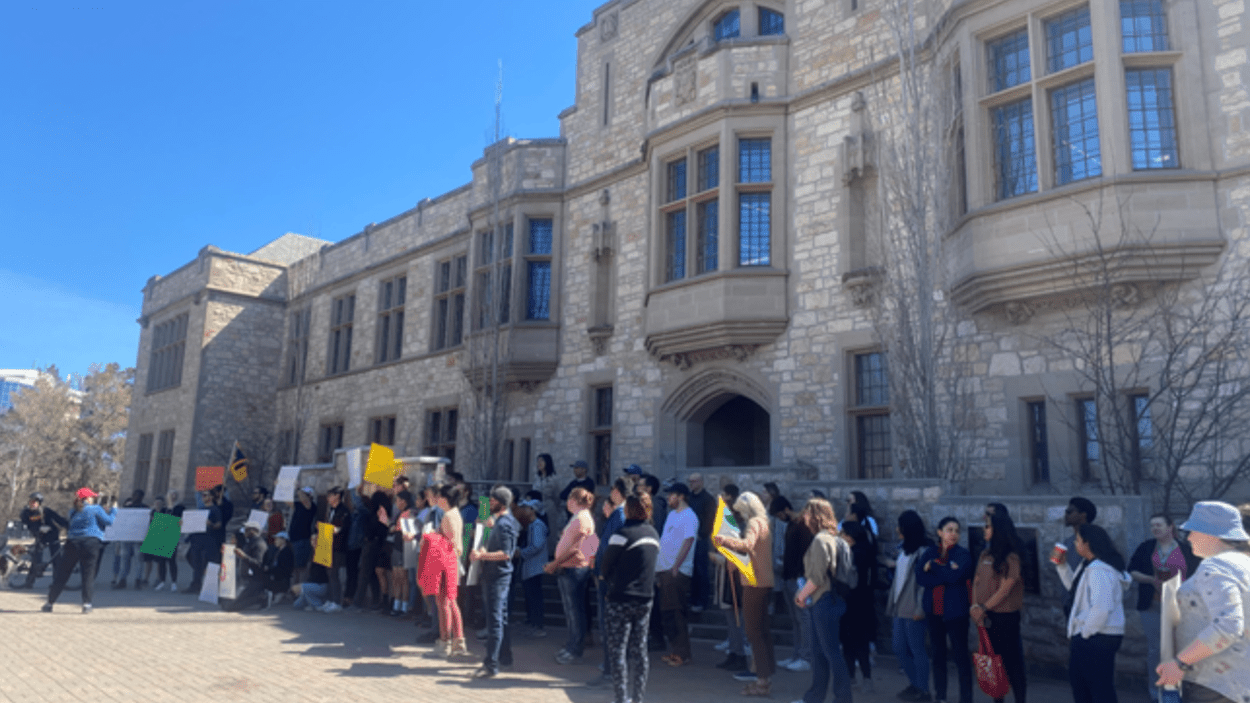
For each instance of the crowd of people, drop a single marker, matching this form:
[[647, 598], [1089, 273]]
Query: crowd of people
[[647, 554]]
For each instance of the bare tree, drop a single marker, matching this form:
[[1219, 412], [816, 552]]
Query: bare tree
[[914, 106], [1163, 368], [487, 349]]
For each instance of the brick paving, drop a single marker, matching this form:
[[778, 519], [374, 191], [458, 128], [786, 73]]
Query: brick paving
[[169, 647]]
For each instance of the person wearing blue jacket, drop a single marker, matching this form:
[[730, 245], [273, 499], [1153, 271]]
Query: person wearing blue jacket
[[85, 540], [944, 571]]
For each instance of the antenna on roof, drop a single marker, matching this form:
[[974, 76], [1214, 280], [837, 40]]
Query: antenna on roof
[[499, 103]]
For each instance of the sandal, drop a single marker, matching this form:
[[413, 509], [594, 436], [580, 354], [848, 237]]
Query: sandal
[[757, 689], [676, 660]]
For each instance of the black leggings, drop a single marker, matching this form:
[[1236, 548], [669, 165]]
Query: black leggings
[[172, 563], [956, 632], [81, 551], [1005, 638]]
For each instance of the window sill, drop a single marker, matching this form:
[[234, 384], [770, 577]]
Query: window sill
[[161, 390]]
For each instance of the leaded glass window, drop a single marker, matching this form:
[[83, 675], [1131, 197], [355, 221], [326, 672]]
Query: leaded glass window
[[1143, 26], [728, 26], [1015, 149], [754, 229], [1069, 40], [1009, 61], [771, 22], [1074, 127], [1151, 120], [754, 160], [675, 246]]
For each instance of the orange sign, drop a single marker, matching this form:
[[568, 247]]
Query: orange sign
[[207, 477]]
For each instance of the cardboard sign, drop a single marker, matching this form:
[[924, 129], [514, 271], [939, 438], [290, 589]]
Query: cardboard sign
[[382, 467], [207, 477], [475, 567], [325, 545], [228, 579], [284, 488], [725, 527], [212, 579], [260, 517], [130, 525], [355, 457], [194, 521], [163, 535]]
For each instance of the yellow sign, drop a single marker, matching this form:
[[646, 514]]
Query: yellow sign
[[725, 528], [382, 467], [325, 545]]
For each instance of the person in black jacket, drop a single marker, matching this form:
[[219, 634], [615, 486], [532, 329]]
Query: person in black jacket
[[629, 571], [278, 567], [45, 524], [250, 558], [857, 629], [1157, 560]]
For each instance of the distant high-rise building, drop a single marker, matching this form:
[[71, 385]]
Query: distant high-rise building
[[13, 380]]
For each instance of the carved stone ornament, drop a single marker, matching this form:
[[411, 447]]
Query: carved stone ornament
[[685, 81], [608, 25], [1019, 312], [1126, 295], [602, 237], [684, 361]]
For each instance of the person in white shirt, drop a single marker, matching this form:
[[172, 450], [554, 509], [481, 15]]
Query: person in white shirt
[[675, 567], [1096, 624]]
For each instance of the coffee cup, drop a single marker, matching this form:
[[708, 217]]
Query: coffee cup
[[1058, 553]]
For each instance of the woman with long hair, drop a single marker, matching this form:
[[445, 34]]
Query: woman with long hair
[[905, 607], [859, 625], [998, 596], [1156, 560], [1096, 624], [819, 564], [439, 573], [84, 541], [756, 542], [944, 571], [1212, 652], [548, 484], [406, 506]]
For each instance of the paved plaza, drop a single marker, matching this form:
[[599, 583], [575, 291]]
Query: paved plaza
[[168, 647]]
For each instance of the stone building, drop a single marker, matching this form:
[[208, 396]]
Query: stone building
[[682, 272], [682, 278]]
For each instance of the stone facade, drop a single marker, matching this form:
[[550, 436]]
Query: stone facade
[[775, 339]]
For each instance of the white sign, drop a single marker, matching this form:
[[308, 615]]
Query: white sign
[[355, 475], [212, 578], [284, 489], [409, 526], [475, 567], [260, 517], [229, 572], [130, 525], [194, 521]]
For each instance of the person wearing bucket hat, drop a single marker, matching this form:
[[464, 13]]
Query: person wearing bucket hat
[[82, 548], [1213, 650]]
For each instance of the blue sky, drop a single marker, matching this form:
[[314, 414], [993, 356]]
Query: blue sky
[[136, 133]]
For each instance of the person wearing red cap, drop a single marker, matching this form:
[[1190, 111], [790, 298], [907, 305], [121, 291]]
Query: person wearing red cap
[[85, 540]]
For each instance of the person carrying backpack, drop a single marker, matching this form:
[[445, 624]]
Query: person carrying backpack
[[820, 564]]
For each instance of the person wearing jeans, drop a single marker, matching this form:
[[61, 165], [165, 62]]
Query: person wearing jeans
[[533, 557], [571, 565], [907, 610], [86, 530], [497, 581], [817, 595], [313, 592]]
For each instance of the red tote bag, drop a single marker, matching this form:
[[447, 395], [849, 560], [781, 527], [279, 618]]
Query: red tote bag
[[991, 675]]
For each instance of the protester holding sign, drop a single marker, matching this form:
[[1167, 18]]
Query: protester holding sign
[[85, 537], [756, 542]]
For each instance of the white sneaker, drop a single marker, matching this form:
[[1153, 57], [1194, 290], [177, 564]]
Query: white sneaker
[[331, 607], [160, 586], [785, 663], [799, 665], [723, 646]]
